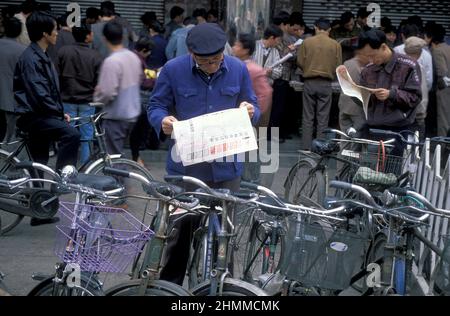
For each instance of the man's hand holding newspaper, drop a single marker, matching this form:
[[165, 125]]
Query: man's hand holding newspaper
[[350, 88]]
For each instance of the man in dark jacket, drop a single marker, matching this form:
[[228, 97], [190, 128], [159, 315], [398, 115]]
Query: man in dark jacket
[[79, 67], [39, 104], [397, 82]]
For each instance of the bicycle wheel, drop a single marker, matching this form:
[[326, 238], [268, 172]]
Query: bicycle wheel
[[301, 181], [231, 287], [374, 253], [154, 288], [197, 263], [137, 207], [257, 261], [7, 167], [87, 287]]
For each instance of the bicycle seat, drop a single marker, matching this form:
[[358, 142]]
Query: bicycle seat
[[324, 147], [271, 211], [98, 182]]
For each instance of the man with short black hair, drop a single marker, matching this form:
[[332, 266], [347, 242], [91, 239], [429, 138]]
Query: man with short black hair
[[318, 56], [39, 104], [119, 89], [176, 21], [177, 43], [92, 15], [346, 34], [201, 15], [396, 79], [361, 19], [10, 51], [79, 67]]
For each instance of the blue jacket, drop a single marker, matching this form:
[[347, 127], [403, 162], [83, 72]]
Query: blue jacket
[[36, 85], [181, 92], [177, 43]]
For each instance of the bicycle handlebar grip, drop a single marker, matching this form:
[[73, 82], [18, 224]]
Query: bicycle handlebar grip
[[24, 164], [341, 185], [116, 172], [249, 185], [382, 132], [172, 178], [398, 191], [244, 195]]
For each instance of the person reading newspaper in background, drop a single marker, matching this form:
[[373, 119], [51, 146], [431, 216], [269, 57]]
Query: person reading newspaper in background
[[396, 80], [351, 114], [188, 86]]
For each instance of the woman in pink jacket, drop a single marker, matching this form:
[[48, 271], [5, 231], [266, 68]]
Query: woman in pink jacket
[[243, 49]]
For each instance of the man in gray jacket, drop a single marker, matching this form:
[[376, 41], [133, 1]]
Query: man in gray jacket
[[119, 88], [10, 51], [352, 114]]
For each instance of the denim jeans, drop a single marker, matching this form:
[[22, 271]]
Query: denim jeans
[[86, 130]]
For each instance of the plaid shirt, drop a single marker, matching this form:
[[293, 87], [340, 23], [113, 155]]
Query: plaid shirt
[[402, 76]]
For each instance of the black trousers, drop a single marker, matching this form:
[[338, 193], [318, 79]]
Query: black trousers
[[279, 99], [44, 130], [180, 238]]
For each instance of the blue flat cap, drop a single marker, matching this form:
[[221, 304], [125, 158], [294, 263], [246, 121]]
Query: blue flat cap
[[206, 39]]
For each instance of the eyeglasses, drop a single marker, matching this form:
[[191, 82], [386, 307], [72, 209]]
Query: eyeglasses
[[213, 61]]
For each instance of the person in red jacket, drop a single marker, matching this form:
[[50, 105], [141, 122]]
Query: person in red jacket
[[243, 49]]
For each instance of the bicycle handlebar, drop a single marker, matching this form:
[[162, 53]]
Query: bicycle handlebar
[[38, 166], [155, 188], [395, 134]]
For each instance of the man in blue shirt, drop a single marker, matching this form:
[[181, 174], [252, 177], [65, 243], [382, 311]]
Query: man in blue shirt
[[203, 82]]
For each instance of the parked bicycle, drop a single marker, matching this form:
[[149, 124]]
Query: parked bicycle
[[95, 165]]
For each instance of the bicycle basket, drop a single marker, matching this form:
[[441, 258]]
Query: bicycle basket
[[375, 169], [319, 256], [443, 273], [99, 239]]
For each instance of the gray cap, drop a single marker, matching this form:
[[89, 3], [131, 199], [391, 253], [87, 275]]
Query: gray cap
[[206, 39], [414, 45]]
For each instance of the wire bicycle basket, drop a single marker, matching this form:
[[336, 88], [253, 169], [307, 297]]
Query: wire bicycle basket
[[98, 238], [319, 255], [378, 168]]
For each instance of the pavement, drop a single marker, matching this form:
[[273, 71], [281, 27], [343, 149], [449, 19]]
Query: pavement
[[28, 250]]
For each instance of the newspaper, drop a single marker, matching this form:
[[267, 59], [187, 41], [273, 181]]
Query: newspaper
[[213, 136], [350, 88]]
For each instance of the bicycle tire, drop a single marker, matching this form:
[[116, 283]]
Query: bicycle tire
[[231, 287], [197, 261], [301, 182], [9, 220], [374, 253], [154, 288], [254, 255], [88, 287], [132, 187]]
